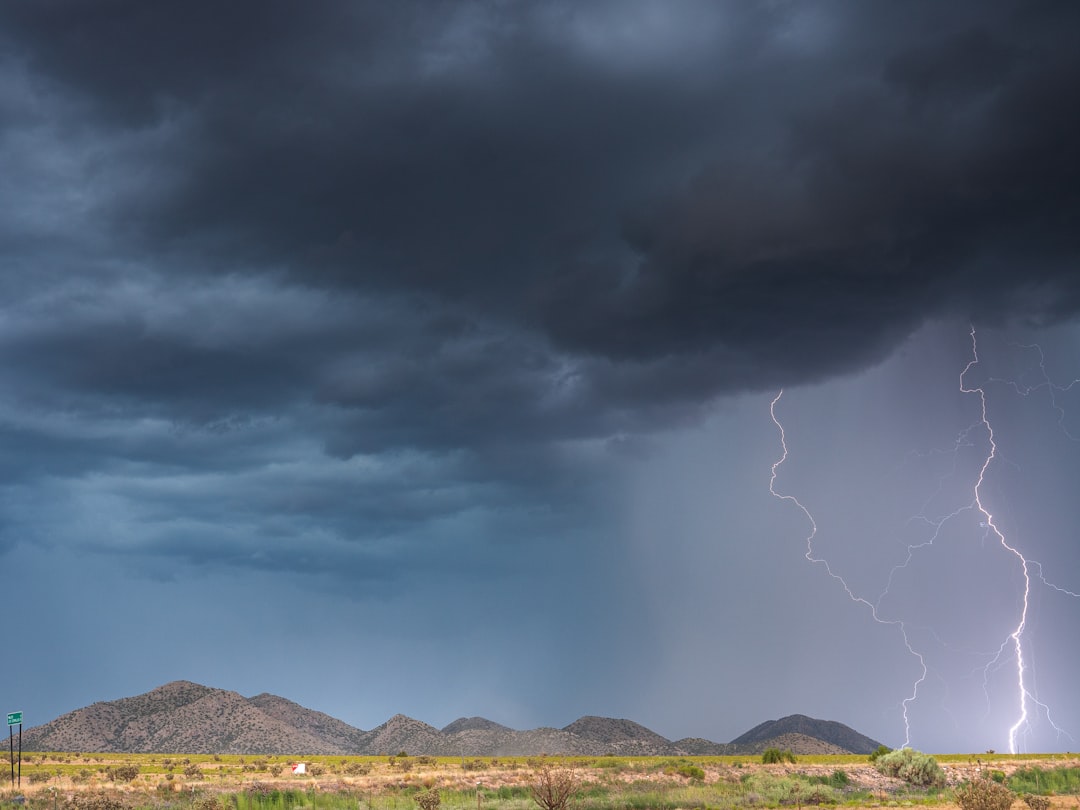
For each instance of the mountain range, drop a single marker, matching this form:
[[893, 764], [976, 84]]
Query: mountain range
[[185, 717]]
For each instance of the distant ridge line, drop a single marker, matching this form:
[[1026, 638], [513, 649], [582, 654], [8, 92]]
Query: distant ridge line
[[185, 717]]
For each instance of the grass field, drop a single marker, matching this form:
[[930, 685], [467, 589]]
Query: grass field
[[86, 781]]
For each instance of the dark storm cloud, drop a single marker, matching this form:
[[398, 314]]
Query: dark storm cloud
[[795, 189], [505, 231]]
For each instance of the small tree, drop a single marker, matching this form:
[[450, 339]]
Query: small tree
[[554, 789]]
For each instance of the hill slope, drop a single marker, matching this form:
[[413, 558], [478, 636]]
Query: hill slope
[[185, 717], [179, 717], [828, 731]]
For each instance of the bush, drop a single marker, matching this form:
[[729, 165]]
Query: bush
[[122, 773], [691, 772], [879, 752], [839, 779], [192, 771], [773, 756], [913, 767], [984, 794], [803, 793], [553, 789], [428, 800], [770, 789], [94, 801], [1037, 802]]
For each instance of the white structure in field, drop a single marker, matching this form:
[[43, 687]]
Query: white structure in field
[[299, 768]]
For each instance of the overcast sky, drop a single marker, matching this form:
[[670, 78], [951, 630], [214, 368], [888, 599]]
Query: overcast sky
[[418, 357]]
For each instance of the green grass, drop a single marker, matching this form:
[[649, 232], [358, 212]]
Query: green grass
[[1045, 782]]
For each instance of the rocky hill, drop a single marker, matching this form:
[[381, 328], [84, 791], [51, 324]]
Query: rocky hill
[[181, 717], [834, 734], [184, 717]]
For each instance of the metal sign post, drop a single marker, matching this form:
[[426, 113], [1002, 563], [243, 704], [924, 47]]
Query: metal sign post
[[15, 719]]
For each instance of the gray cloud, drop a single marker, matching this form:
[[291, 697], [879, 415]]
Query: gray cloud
[[383, 291]]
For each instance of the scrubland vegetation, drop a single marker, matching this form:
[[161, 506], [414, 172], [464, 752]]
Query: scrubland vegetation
[[400, 782]]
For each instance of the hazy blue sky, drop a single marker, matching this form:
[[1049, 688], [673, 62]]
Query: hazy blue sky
[[418, 357]]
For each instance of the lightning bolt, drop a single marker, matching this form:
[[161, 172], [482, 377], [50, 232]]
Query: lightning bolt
[[1018, 632], [1012, 648], [812, 557], [1015, 638]]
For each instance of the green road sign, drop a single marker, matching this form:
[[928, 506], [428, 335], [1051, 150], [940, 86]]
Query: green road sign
[[14, 719]]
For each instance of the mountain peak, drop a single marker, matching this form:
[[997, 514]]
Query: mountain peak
[[829, 731], [186, 717], [472, 724]]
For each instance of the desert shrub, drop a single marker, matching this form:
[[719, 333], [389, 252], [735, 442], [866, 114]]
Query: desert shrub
[[208, 803], [998, 776], [316, 769], [801, 793], [192, 771], [691, 772], [37, 777], [553, 789], [838, 779], [428, 800], [82, 776], [426, 760], [1037, 802], [773, 756], [99, 800], [473, 765], [357, 768], [878, 752], [984, 794], [912, 766], [122, 773]]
